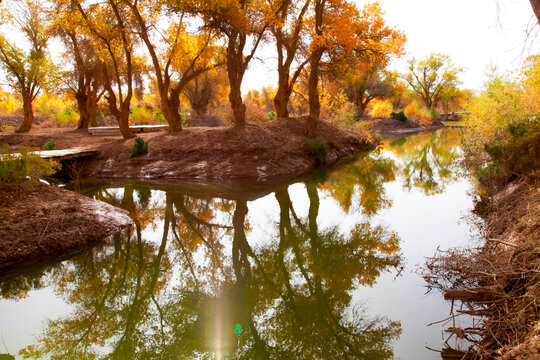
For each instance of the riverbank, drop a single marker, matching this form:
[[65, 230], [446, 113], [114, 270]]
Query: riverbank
[[251, 151], [393, 126], [48, 221], [512, 219], [44, 222], [499, 282]]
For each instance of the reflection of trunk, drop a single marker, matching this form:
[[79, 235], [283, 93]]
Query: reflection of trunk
[[195, 224], [28, 113], [284, 201], [125, 344], [240, 246], [313, 209]]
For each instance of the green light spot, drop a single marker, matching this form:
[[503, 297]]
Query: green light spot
[[238, 329]]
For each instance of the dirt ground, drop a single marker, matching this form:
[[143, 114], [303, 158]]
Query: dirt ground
[[250, 151], [45, 222], [48, 222]]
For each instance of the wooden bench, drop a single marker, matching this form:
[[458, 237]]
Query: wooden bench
[[136, 129], [58, 155]]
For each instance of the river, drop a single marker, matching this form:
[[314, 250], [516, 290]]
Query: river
[[325, 266]]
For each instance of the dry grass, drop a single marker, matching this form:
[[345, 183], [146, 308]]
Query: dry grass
[[498, 283]]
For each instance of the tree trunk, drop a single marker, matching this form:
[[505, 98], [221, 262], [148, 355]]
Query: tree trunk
[[313, 93], [28, 114], [82, 106], [360, 108], [235, 97], [536, 8], [123, 123], [92, 112], [281, 101], [313, 84], [170, 107], [87, 106], [235, 73]]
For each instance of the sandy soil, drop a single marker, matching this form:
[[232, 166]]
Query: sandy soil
[[45, 222], [250, 151]]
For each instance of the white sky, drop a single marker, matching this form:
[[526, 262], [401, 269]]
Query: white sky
[[473, 32]]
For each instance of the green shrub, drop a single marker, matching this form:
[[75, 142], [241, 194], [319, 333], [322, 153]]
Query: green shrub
[[434, 114], [357, 117], [140, 147], [318, 148], [399, 116], [271, 115], [520, 152], [24, 167], [141, 115], [183, 118], [160, 118], [7, 128], [67, 117], [50, 145]]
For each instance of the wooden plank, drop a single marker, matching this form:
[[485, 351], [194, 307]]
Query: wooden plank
[[66, 154], [58, 155], [115, 130]]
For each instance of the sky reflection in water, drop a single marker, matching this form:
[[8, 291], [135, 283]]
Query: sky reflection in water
[[298, 271]]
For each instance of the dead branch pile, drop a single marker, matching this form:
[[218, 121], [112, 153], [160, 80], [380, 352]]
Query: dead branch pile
[[499, 283]]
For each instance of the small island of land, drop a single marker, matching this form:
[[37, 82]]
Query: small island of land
[[64, 221]]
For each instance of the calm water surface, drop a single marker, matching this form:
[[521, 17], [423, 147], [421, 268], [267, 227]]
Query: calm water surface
[[321, 268]]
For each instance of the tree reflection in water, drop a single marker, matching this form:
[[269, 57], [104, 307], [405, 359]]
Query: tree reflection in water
[[202, 290], [190, 280], [428, 161]]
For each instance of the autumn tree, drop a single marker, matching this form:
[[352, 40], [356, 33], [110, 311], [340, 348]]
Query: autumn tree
[[363, 86], [113, 37], [27, 71], [206, 90], [240, 22], [289, 31], [343, 33], [86, 79], [454, 99], [178, 57], [429, 77]]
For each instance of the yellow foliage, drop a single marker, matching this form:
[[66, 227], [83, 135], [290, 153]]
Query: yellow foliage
[[380, 108], [8, 103], [505, 99], [417, 114], [49, 104], [531, 84]]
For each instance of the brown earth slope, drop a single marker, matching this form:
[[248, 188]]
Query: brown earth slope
[[46, 222], [253, 150]]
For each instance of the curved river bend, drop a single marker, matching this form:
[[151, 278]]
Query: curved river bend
[[321, 268]]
